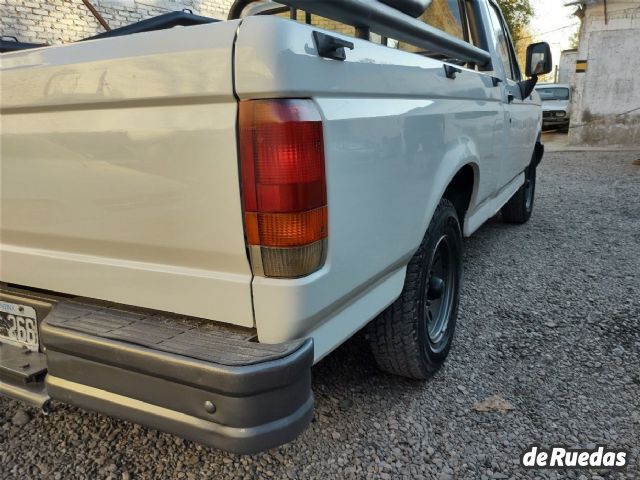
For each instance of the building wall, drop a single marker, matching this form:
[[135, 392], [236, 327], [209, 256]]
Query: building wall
[[567, 67], [606, 101], [60, 21]]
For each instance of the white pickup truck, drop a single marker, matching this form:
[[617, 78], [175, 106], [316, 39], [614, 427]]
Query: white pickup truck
[[191, 217]]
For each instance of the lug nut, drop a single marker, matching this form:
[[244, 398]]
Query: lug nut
[[209, 407]]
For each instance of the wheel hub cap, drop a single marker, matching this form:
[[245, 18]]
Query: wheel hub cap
[[436, 288], [440, 293]]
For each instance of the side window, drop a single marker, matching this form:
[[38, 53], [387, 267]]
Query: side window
[[327, 24], [333, 25], [446, 15], [321, 22], [503, 45]]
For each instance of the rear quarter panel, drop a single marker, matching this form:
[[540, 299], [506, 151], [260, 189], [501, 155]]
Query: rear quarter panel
[[396, 131]]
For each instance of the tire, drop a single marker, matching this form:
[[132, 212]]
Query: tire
[[519, 207], [404, 339]]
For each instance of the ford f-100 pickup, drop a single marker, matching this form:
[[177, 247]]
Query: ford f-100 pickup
[[192, 217]]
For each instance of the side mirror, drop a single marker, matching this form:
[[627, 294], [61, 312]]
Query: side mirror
[[539, 59], [539, 62]]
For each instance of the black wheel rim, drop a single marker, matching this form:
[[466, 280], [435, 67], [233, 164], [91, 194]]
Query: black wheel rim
[[440, 295]]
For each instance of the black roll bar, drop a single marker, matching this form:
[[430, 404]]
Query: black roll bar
[[389, 22]]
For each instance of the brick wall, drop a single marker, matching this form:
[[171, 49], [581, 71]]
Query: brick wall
[[59, 21]]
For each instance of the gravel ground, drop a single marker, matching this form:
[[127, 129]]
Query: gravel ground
[[550, 320]]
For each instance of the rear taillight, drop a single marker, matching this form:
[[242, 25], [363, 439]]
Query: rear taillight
[[283, 186]]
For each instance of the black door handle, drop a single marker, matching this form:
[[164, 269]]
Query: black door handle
[[331, 47], [450, 71]]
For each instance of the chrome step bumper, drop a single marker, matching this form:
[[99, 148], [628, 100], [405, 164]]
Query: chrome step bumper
[[197, 379]]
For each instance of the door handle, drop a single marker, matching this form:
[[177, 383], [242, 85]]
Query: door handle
[[451, 72], [331, 47], [510, 97]]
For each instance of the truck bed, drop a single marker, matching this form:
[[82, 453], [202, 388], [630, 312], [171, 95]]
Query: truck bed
[[119, 172]]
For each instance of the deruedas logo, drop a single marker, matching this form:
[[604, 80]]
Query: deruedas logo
[[562, 457]]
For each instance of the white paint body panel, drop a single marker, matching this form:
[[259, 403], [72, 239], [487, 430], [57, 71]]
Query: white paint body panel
[[119, 172], [396, 132]]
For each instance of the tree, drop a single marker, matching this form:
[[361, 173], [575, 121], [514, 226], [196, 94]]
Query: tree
[[521, 44], [518, 14], [574, 40]]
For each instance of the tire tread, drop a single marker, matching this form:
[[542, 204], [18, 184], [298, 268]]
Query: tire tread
[[514, 211], [393, 335]]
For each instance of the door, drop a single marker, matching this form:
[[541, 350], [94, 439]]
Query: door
[[521, 115]]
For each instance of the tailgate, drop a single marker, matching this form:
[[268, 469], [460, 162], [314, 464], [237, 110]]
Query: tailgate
[[120, 174]]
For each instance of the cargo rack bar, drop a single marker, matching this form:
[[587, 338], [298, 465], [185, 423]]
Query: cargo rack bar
[[183, 18], [384, 20], [12, 44]]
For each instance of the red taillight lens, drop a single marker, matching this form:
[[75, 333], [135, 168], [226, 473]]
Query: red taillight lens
[[283, 185]]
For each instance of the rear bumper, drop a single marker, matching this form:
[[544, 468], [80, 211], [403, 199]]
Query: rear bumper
[[202, 383]]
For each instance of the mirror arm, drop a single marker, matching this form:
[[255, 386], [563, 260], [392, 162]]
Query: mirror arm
[[527, 86]]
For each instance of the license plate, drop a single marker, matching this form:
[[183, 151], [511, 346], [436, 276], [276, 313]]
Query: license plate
[[18, 325]]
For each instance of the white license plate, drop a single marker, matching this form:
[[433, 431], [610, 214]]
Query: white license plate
[[18, 325]]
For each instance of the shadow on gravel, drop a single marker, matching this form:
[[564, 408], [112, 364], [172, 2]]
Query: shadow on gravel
[[353, 368]]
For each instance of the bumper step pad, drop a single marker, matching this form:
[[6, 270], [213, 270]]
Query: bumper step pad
[[190, 337]]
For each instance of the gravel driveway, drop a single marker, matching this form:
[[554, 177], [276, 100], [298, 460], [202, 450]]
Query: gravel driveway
[[550, 320]]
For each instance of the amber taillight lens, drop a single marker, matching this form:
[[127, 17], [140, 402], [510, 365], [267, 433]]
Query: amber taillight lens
[[283, 186]]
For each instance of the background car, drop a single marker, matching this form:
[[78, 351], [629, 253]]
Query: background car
[[556, 105]]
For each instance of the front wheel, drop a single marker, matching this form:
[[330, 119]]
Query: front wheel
[[412, 337], [519, 207]]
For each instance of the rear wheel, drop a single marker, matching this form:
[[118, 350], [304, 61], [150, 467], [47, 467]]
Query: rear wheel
[[519, 208], [413, 336]]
